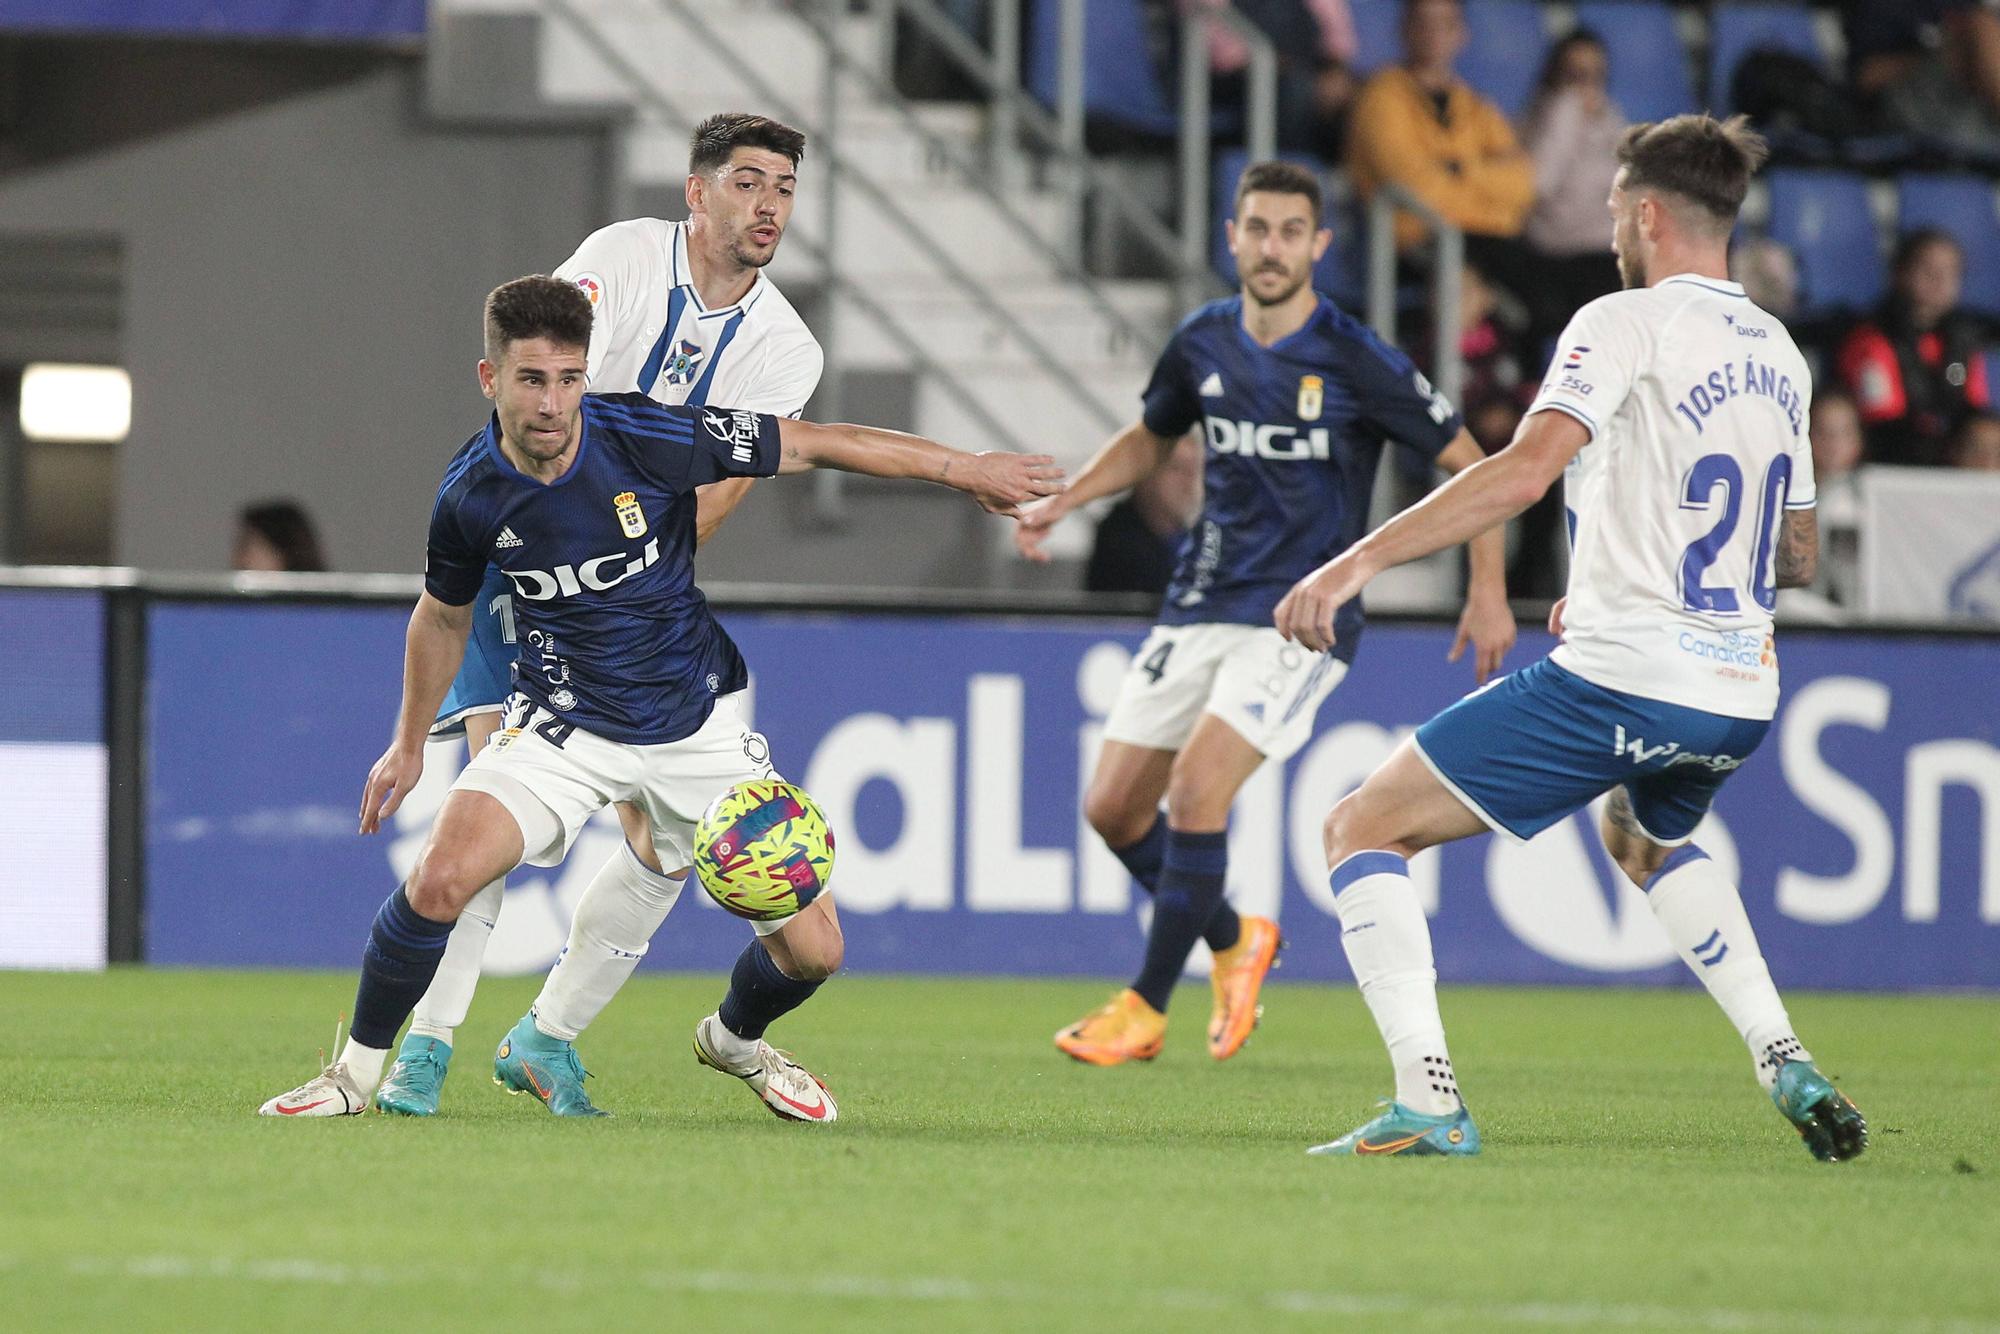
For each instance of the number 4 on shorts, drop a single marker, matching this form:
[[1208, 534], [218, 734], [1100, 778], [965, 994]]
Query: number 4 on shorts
[[1156, 665]]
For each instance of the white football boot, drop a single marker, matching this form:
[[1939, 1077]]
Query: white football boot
[[332, 1092], [789, 1089]]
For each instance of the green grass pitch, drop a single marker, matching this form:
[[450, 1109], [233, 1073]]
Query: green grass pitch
[[1633, 1178]]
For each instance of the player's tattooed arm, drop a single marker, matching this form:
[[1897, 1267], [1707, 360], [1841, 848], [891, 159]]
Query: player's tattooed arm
[[1798, 548]]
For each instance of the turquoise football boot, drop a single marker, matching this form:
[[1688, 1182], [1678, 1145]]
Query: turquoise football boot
[[530, 1061], [1831, 1126], [415, 1080], [1400, 1130]]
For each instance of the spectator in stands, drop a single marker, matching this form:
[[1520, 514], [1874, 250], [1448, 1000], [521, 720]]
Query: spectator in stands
[[1977, 444], [1918, 368], [1835, 432], [1769, 273], [276, 535], [1418, 124], [1315, 44], [1139, 538], [1572, 130], [1930, 67]]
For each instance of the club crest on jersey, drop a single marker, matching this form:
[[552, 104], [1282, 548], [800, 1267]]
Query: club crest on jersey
[[1312, 397], [684, 364], [630, 517]]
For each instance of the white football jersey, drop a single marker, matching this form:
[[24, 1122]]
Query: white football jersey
[[652, 334], [1696, 402]]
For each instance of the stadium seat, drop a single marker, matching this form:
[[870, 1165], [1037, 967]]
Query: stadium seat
[[1341, 273], [1964, 206], [1505, 52], [1120, 84], [1824, 217], [1649, 66], [1378, 31], [1734, 31]]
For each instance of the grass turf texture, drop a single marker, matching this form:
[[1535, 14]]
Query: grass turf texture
[[1634, 1177]]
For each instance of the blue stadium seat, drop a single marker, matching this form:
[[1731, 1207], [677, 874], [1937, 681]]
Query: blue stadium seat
[[1734, 31], [1823, 216], [1964, 206], [1341, 273], [1378, 31], [1119, 82], [1508, 43], [1649, 67]]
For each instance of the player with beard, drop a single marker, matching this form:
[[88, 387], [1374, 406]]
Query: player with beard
[[1676, 413], [683, 313], [1296, 400]]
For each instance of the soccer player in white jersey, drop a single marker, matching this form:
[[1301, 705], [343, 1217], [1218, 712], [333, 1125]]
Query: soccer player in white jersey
[[627, 688], [681, 312], [1295, 401], [1679, 410]]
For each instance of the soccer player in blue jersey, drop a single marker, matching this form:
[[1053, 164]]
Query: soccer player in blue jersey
[[1679, 410], [627, 688], [1296, 400], [681, 312]]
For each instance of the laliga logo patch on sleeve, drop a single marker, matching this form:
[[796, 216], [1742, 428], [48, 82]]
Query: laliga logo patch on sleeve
[[591, 286]]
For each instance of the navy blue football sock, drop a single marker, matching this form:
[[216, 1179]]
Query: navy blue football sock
[[1190, 890], [1143, 860], [760, 993], [396, 969]]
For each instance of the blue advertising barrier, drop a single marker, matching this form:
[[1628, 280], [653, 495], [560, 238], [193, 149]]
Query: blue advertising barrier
[[950, 755], [309, 19]]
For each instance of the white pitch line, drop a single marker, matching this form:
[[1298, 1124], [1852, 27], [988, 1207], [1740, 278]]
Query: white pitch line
[[948, 1290]]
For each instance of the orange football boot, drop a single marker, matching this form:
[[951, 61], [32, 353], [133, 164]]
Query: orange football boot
[[1237, 978], [1124, 1029]]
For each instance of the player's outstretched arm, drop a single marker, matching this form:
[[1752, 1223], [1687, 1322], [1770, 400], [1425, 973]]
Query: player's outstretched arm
[[1125, 459], [1489, 492], [1487, 623], [432, 650], [999, 481]]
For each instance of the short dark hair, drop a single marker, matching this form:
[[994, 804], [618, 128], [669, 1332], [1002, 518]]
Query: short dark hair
[[289, 529], [536, 306], [1280, 178], [1707, 162], [719, 136], [1911, 244]]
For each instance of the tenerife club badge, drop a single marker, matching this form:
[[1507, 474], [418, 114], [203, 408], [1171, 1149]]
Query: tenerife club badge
[[630, 517], [1312, 396]]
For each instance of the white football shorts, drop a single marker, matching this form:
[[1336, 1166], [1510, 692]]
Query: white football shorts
[[1265, 688], [552, 777]]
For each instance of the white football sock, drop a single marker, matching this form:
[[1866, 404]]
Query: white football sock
[[443, 1006], [364, 1065], [1388, 945], [1704, 918], [615, 919]]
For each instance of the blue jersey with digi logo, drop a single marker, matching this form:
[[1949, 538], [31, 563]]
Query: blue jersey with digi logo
[[612, 634], [1293, 432]]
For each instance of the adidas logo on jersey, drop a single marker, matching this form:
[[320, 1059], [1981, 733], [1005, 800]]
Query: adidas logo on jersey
[[1212, 386], [508, 539]]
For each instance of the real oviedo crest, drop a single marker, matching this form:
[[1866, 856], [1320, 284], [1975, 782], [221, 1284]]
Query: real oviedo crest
[[630, 517], [1312, 397]]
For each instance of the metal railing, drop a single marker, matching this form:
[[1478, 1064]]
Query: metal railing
[[1049, 360], [1196, 158], [645, 92], [1448, 365]]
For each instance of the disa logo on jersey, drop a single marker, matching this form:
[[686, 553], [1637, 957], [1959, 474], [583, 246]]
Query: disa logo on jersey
[[596, 574], [1254, 439]]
